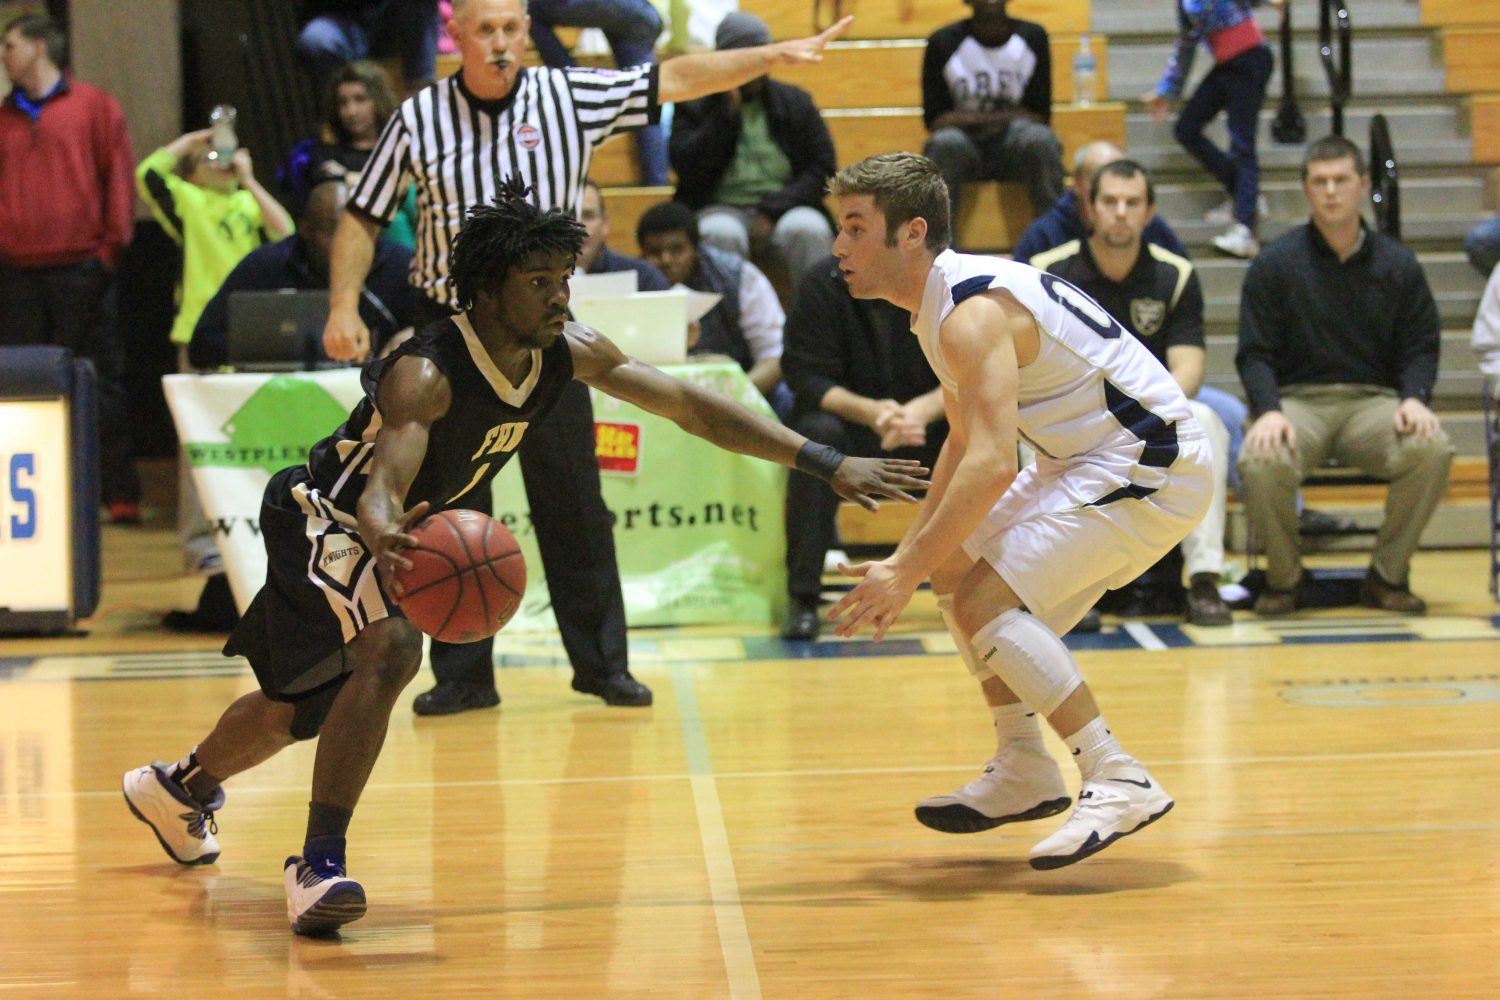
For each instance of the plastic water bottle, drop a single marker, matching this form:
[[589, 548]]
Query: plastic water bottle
[[224, 142], [1083, 73]]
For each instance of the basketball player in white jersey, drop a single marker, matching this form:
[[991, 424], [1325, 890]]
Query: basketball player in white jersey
[[1017, 556]]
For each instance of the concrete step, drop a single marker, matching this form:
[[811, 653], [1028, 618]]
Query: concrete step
[[1456, 310], [1447, 271], [1409, 123], [1402, 66], [1458, 195], [1420, 232], [1134, 17], [1165, 156]]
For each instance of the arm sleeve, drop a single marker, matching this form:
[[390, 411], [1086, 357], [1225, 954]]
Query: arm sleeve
[[1185, 317], [1261, 327], [116, 163], [1486, 342], [1180, 62], [382, 185], [651, 279], [1037, 97], [811, 154], [937, 99], [811, 361], [1422, 334], [702, 144], [606, 101], [761, 318], [163, 191]]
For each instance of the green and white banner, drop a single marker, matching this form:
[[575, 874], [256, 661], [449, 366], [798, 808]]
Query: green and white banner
[[698, 531]]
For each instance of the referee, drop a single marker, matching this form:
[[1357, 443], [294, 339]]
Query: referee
[[455, 140]]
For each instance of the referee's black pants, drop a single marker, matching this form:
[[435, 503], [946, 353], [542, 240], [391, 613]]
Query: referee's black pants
[[573, 531]]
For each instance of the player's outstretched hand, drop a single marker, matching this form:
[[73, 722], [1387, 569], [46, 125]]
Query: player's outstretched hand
[[810, 50], [386, 547], [882, 593], [864, 479]]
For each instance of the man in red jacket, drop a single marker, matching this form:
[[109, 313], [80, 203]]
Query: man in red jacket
[[67, 197]]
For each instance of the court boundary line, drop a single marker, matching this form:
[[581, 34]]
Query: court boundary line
[[723, 885], [829, 772]]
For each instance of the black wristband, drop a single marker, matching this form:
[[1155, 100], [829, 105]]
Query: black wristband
[[819, 460]]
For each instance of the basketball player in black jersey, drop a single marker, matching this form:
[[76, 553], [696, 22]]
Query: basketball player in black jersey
[[441, 416]]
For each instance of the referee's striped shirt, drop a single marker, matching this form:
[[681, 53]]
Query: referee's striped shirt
[[456, 148]]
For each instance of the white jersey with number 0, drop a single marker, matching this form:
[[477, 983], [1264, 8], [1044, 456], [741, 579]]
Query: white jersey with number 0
[[1093, 393]]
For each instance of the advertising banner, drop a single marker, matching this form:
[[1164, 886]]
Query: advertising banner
[[698, 531]]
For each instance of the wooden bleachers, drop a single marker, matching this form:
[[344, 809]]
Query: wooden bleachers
[[905, 18]]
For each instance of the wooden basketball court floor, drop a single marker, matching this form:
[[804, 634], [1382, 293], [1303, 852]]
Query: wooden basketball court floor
[[1336, 831]]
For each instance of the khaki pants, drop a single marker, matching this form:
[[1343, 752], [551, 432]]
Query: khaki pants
[[1356, 425]]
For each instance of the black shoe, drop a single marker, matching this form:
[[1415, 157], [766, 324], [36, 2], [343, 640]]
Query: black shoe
[[1315, 522], [619, 690], [449, 697], [801, 623], [1204, 605], [215, 612], [1091, 621]]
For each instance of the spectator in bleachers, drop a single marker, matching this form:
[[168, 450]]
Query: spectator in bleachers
[[1483, 241], [987, 100], [1338, 351], [387, 302], [754, 163], [217, 212], [335, 32], [67, 205], [1070, 219], [1155, 294], [597, 258], [1237, 86], [358, 103], [861, 385], [1486, 339], [632, 27], [746, 324]]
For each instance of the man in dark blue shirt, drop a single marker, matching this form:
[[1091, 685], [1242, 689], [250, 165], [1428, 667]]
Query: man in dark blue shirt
[[597, 258], [301, 262], [1069, 218]]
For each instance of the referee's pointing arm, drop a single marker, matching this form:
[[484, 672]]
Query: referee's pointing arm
[[491, 39]]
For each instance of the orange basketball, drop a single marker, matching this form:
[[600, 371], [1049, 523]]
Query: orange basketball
[[466, 579]]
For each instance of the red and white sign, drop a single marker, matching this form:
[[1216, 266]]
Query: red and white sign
[[618, 448]]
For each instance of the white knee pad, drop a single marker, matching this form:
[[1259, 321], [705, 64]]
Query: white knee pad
[[966, 652], [1029, 659]]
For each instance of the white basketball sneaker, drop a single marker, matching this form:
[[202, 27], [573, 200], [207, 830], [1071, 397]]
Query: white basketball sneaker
[[1117, 801], [320, 898], [1223, 213], [1020, 782], [184, 827]]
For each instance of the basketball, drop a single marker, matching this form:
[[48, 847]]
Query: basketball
[[466, 579]]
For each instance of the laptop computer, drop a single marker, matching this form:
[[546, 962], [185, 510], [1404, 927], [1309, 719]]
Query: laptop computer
[[649, 326], [278, 330]]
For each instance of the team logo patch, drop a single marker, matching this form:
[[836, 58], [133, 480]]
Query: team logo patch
[[1147, 316], [529, 136]]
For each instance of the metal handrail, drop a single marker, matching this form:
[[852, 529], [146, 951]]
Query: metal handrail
[[1385, 189], [1340, 72], [1289, 126]]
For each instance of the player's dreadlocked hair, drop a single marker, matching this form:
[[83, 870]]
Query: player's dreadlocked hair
[[497, 237]]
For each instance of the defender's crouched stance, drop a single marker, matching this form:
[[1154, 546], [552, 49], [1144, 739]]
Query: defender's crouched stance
[[1016, 557]]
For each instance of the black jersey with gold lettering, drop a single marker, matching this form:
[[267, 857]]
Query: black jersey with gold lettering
[[482, 429]]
